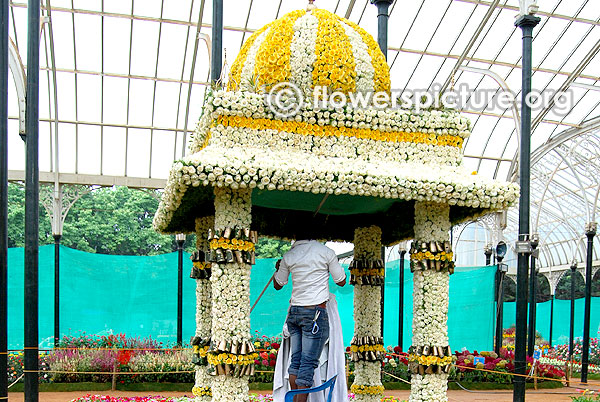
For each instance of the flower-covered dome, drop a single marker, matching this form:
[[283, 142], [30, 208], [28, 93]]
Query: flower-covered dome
[[311, 49], [349, 167]]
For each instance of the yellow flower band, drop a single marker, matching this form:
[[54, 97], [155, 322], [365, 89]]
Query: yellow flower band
[[230, 358], [231, 244], [200, 351], [367, 348], [368, 272], [201, 265], [443, 256], [367, 389], [430, 360], [304, 128], [201, 391]]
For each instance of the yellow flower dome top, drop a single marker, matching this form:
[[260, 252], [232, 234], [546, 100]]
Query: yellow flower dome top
[[311, 49]]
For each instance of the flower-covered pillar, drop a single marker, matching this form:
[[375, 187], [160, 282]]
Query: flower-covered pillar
[[201, 272], [367, 352], [231, 354], [430, 357]]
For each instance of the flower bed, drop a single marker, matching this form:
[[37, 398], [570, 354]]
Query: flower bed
[[157, 398], [465, 367], [15, 367], [561, 352]]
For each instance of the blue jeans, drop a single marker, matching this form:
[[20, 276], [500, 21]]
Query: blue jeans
[[307, 341]]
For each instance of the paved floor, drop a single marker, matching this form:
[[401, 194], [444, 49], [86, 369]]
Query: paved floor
[[554, 395]]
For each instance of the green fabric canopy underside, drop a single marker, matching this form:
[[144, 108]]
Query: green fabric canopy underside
[[280, 213]]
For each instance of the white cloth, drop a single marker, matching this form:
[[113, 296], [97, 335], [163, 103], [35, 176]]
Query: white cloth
[[310, 263], [331, 362]]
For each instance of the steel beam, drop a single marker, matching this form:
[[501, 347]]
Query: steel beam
[[526, 23], [32, 203], [4, 65], [590, 232]]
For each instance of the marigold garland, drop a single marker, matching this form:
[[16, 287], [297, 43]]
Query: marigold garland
[[431, 360], [329, 131], [272, 63], [231, 358], [231, 244], [367, 389], [201, 391], [335, 67]]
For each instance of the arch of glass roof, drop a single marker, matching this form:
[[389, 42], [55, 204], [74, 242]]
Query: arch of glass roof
[[122, 84]]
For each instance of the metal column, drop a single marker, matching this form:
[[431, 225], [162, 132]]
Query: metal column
[[180, 238], [590, 232], [401, 300], [3, 199], [532, 298], [526, 23], [382, 23], [499, 309], [572, 322], [32, 202], [217, 41], [551, 320], [57, 238]]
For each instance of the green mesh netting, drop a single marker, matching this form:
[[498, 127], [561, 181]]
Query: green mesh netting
[[103, 294]]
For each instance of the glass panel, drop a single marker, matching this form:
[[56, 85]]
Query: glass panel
[[87, 32], [88, 146], [138, 153], [115, 100], [163, 143], [113, 151], [140, 102], [143, 48], [116, 45], [67, 147]]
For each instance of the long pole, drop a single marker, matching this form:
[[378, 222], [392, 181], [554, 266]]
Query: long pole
[[526, 23], [572, 322], [382, 40], [382, 300], [590, 232], [401, 300], [57, 238], [180, 291], [532, 307], [551, 320], [217, 41], [499, 311], [3, 199], [32, 202]]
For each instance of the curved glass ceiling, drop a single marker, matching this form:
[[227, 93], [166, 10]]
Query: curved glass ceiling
[[122, 83]]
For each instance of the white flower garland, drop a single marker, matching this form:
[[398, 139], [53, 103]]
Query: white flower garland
[[203, 305], [302, 52], [429, 388], [246, 167], [430, 301], [365, 72], [367, 312], [340, 147], [248, 69], [231, 292], [230, 389]]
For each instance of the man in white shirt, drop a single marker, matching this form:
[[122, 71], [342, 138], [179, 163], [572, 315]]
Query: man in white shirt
[[310, 264]]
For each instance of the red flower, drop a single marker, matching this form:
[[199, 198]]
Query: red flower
[[272, 356], [272, 363], [275, 345], [397, 349]]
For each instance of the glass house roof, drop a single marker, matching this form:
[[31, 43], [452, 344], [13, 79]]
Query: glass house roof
[[122, 84]]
